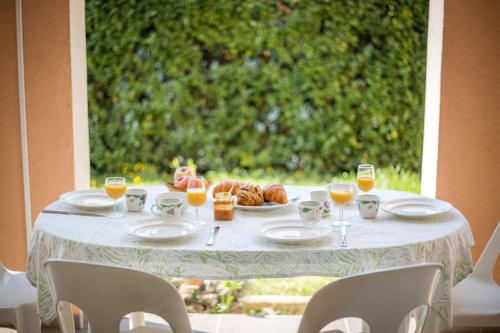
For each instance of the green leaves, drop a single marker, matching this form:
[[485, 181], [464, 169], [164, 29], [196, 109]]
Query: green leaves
[[306, 86]]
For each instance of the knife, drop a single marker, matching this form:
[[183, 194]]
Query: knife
[[343, 236], [211, 239], [48, 211]]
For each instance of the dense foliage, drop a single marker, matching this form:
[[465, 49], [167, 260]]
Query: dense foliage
[[294, 85]]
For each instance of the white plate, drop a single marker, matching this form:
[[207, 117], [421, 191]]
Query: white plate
[[293, 231], [157, 230], [416, 208], [88, 199], [266, 206]]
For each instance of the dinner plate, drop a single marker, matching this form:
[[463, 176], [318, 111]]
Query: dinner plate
[[88, 199], [159, 230], [416, 208], [293, 231]]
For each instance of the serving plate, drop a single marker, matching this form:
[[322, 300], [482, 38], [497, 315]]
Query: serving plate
[[293, 231], [416, 208], [160, 230], [266, 206], [88, 199]]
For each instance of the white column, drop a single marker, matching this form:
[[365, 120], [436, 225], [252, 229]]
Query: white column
[[432, 98], [23, 122], [79, 94]]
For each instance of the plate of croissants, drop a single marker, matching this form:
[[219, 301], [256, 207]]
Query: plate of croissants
[[253, 197]]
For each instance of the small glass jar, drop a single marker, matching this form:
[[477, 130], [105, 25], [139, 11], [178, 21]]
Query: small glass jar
[[223, 207]]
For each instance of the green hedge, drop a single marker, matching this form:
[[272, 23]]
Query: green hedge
[[294, 85]]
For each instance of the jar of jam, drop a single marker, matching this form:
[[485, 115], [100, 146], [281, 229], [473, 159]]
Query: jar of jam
[[223, 206]]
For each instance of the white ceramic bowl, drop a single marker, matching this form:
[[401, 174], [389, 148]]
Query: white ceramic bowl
[[176, 195]]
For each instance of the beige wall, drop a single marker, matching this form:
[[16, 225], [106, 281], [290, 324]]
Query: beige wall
[[47, 75], [47, 66], [12, 219], [469, 137]]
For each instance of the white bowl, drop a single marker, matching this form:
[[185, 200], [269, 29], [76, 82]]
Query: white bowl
[[176, 195]]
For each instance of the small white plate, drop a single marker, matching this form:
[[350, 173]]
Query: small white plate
[[293, 231], [88, 199], [416, 208], [159, 230]]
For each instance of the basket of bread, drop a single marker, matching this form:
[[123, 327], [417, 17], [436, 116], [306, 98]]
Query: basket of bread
[[254, 197]]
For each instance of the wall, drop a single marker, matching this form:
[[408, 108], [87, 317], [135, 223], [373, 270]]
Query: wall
[[47, 66], [12, 219], [49, 117], [469, 136]]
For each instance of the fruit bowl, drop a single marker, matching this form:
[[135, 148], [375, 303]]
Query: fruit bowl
[[172, 188]]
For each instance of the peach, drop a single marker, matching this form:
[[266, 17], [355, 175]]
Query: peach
[[182, 182], [184, 171]]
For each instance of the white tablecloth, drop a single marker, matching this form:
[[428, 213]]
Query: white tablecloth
[[238, 253]]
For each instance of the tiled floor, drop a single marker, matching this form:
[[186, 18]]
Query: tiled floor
[[45, 330]]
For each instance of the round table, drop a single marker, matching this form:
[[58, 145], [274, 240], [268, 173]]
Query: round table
[[239, 253]]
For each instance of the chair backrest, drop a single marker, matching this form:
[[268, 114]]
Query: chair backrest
[[15, 289], [382, 299], [105, 294], [484, 266]]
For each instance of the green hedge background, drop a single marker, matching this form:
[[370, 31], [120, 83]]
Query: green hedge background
[[315, 86]]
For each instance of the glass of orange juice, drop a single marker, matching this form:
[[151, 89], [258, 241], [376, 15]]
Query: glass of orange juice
[[197, 195], [115, 189], [366, 177], [341, 194]]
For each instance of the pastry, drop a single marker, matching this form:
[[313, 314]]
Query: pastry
[[225, 186], [275, 193], [250, 195]]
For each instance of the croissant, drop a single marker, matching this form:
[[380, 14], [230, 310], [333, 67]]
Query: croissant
[[250, 195], [275, 193], [226, 186]]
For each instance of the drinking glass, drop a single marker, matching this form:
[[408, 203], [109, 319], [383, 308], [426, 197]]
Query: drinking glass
[[115, 189], [196, 195], [341, 194], [366, 177]]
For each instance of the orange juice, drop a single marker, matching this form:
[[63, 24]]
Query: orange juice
[[366, 183], [341, 198], [115, 191], [196, 196]]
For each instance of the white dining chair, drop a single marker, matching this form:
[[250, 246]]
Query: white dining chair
[[18, 301], [383, 299], [105, 294], [476, 299]]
